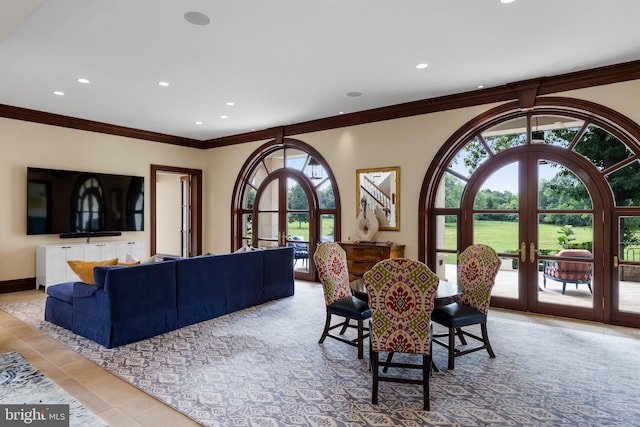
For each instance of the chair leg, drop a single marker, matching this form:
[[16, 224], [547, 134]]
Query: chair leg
[[589, 285], [360, 339], [327, 325], [345, 326], [564, 286], [389, 357], [426, 373], [452, 347], [461, 337], [485, 337], [374, 367]]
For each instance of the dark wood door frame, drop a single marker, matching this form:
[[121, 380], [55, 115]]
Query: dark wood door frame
[[195, 196]]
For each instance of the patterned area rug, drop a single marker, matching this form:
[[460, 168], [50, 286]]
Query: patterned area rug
[[264, 367], [21, 383]]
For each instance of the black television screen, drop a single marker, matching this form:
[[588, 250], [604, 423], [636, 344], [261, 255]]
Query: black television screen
[[73, 203]]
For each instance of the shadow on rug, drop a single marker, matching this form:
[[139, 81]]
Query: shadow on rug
[[264, 366], [22, 384]]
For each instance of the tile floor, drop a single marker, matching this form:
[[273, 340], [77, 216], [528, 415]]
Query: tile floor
[[118, 403], [122, 405]]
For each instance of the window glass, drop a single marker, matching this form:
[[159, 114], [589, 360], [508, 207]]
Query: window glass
[[601, 148], [625, 185], [554, 130], [274, 161], [325, 195], [469, 158], [296, 159], [450, 191], [559, 188], [506, 135], [269, 197], [328, 228], [500, 191]]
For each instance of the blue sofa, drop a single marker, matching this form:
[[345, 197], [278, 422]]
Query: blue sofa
[[129, 304]]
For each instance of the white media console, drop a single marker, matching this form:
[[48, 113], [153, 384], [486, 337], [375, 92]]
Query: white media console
[[51, 260]]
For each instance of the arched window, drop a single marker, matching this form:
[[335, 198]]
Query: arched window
[[544, 186], [286, 195]]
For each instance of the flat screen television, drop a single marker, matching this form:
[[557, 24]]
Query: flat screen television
[[78, 204]]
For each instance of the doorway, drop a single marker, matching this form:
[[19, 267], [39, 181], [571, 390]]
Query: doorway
[[286, 195], [556, 192], [176, 211]]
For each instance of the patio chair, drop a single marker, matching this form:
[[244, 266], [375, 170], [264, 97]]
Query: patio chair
[[569, 271], [300, 251]]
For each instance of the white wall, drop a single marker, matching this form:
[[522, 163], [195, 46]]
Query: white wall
[[410, 143]]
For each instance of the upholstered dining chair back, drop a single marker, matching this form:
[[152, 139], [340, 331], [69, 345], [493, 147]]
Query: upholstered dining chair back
[[478, 266], [333, 271], [401, 297]]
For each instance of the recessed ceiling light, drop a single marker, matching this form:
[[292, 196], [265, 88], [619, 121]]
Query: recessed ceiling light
[[163, 84], [422, 66], [58, 92], [224, 117], [354, 94], [480, 86], [198, 123], [340, 112], [230, 103], [507, 1], [197, 18], [83, 80]]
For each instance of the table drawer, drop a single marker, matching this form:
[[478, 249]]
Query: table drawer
[[358, 267], [362, 256], [369, 253]]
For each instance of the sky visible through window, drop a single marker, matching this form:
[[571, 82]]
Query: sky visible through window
[[506, 178]]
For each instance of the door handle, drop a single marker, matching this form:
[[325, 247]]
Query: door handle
[[523, 252], [532, 252], [615, 261]]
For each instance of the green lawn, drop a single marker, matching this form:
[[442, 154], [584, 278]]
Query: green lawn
[[503, 236], [302, 228], [500, 235]]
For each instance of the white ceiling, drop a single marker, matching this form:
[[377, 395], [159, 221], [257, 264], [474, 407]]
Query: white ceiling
[[288, 61]]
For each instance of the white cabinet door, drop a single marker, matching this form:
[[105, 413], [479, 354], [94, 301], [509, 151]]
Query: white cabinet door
[[51, 263], [135, 248], [100, 251], [51, 260]]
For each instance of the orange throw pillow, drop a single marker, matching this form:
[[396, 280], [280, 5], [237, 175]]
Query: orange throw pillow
[[84, 269]]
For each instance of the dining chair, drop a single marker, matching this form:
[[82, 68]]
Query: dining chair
[[331, 262], [401, 296], [477, 269]]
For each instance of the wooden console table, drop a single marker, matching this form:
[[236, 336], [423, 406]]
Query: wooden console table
[[362, 256]]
